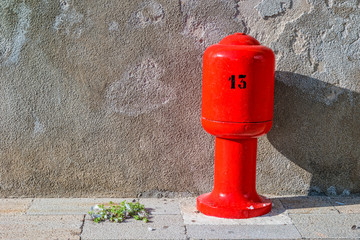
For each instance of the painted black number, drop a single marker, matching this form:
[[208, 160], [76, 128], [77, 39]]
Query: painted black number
[[232, 78], [241, 85]]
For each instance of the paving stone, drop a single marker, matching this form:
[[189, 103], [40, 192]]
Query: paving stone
[[14, 206], [159, 227], [193, 217], [327, 225], [313, 217], [41, 227], [242, 232], [308, 205], [49, 206], [61, 206], [346, 205], [160, 206]]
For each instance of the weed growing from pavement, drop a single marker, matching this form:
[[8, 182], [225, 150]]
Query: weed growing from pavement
[[119, 212]]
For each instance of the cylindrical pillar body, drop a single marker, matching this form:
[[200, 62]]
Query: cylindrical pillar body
[[235, 167], [234, 194]]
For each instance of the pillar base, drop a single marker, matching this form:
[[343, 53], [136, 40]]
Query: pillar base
[[228, 206]]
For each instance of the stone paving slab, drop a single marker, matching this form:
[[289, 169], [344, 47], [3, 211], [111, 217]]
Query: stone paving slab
[[41, 227], [308, 205], [346, 205], [292, 217], [162, 206], [242, 232], [191, 216], [159, 227], [327, 225], [12, 206], [61, 206]]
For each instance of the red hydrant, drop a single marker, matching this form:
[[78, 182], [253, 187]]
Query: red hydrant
[[237, 107]]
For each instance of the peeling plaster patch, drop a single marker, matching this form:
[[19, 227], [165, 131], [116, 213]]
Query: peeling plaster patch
[[336, 30], [270, 8], [69, 21], [203, 27], [300, 44], [340, 51], [139, 90], [194, 29], [38, 127], [320, 67], [113, 26], [326, 51], [349, 4], [21, 30], [203, 34], [12, 41], [150, 13]]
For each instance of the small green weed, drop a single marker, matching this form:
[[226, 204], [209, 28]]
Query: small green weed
[[119, 212]]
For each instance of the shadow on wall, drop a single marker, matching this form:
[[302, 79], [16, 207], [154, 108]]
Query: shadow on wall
[[317, 126]]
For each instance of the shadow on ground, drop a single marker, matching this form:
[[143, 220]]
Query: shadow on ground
[[315, 204], [317, 126]]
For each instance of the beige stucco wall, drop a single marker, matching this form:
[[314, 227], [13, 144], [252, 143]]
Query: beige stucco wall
[[102, 98]]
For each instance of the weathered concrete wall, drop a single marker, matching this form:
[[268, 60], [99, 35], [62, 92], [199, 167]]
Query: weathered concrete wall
[[102, 98]]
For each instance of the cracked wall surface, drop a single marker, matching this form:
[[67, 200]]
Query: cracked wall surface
[[104, 98]]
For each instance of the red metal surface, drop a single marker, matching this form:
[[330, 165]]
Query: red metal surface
[[237, 107]]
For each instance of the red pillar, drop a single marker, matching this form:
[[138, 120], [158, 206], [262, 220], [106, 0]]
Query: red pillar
[[234, 194]]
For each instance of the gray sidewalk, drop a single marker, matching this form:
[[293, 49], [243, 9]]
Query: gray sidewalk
[[291, 218]]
